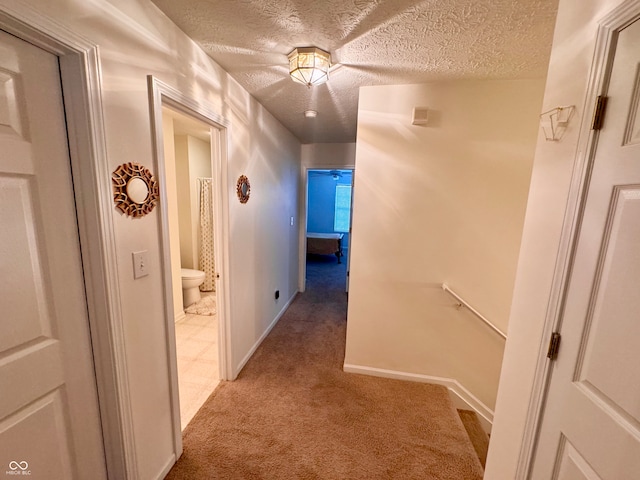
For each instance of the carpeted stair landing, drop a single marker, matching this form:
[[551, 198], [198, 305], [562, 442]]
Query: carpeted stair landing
[[294, 414], [477, 435]]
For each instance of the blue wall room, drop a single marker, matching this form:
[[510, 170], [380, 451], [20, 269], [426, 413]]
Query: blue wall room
[[328, 189]]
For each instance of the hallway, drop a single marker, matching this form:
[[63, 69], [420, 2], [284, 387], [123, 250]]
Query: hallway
[[293, 412]]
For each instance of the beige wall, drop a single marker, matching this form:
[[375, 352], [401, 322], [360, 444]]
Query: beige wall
[[567, 81], [193, 161], [199, 167], [183, 198], [438, 203], [173, 208], [136, 40]]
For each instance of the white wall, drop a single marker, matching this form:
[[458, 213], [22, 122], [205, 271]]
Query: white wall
[[571, 57], [136, 40], [328, 155], [438, 203]]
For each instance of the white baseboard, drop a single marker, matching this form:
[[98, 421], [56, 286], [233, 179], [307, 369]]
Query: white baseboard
[[180, 316], [244, 361], [460, 396], [168, 466]]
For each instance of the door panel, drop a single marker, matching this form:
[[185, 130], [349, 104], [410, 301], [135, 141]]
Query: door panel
[[591, 423], [39, 428], [573, 466], [632, 131], [49, 416], [606, 369], [23, 290]]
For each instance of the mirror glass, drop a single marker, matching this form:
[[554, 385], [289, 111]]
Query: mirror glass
[[243, 189], [137, 190]]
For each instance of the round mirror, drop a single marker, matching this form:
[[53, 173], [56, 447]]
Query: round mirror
[[137, 190], [243, 189]]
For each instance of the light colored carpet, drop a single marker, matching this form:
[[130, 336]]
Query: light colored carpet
[[294, 414], [477, 435], [204, 306]]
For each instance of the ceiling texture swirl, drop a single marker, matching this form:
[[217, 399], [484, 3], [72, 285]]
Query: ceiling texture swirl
[[371, 42]]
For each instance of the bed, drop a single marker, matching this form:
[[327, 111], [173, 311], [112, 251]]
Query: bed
[[325, 244]]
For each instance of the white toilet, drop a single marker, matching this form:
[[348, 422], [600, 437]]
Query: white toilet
[[191, 280]]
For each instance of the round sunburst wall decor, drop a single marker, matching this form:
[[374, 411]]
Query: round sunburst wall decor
[[243, 189], [135, 190]]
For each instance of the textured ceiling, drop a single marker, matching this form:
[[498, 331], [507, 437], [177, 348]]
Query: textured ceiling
[[372, 42]]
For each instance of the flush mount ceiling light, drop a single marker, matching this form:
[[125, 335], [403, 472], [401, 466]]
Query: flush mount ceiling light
[[310, 113], [309, 65]]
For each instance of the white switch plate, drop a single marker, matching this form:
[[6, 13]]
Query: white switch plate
[[420, 116], [140, 264], [292, 221]]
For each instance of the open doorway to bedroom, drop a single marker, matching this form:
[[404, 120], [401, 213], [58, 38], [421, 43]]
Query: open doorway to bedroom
[[329, 194]]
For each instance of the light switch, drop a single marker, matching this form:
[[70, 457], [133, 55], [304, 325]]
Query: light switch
[[292, 221], [140, 264]]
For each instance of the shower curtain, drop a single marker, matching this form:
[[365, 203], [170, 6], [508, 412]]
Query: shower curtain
[[205, 248]]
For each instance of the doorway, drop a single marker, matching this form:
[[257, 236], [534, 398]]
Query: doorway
[[329, 195], [51, 423], [197, 340], [589, 425], [188, 167]]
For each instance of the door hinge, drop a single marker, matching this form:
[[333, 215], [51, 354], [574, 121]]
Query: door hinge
[[554, 345], [598, 114]]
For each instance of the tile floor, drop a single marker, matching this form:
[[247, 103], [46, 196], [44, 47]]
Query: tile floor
[[197, 352]]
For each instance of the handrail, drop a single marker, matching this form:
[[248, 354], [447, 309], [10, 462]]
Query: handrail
[[446, 288]]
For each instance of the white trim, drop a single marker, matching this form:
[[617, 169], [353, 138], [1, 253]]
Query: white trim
[[180, 316], [162, 94], [461, 397], [247, 357], [302, 230], [81, 81], [167, 468], [598, 84]]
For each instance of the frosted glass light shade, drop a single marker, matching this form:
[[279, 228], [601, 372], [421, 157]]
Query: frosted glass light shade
[[309, 65]]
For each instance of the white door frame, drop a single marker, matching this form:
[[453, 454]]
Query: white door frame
[[81, 82], [600, 72], [304, 210], [162, 94]]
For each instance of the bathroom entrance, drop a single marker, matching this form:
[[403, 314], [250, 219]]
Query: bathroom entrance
[[190, 147], [190, 195]]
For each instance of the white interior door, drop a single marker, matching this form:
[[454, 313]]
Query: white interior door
[[591, 424], [49, 418]]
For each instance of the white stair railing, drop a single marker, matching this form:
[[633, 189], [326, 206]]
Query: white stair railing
[[463, 303]]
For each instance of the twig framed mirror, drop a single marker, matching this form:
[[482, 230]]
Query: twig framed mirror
[[243, 189]]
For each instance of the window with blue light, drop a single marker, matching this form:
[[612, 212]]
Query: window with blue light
[[342, 216]]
